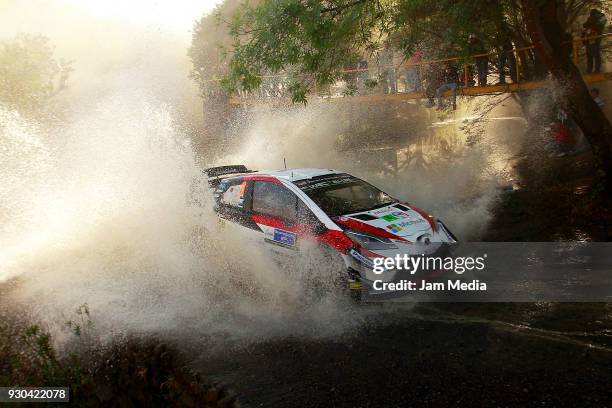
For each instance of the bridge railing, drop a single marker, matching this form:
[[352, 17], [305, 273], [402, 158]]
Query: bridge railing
[[364, 81]]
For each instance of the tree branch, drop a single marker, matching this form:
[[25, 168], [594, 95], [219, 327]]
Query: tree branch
[[339, 8]]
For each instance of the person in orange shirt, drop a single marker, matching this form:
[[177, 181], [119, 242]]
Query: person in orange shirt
[[594, 26]]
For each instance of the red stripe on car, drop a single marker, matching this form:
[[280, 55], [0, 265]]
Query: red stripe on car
[[262, 178], [333, 238], [269, 221], [336, 239]]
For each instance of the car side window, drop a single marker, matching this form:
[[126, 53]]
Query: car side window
[[234, 194], [305, 216], [275, 200]]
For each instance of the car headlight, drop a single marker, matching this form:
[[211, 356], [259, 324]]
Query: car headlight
[[370, 241]]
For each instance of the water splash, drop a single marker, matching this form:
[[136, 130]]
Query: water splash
[[437, 170], [103, 211]]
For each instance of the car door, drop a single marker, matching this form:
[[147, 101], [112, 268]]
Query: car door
[[233, 207], [274, 210], [283, 217]]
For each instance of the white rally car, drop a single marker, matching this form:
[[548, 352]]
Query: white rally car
[[285, 210]]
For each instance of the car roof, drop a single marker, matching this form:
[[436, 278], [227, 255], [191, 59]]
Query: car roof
[[289, 175], [292, 175]]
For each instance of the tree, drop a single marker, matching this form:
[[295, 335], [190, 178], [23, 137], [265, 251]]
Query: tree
[[209, 44], [313, 40], [310, 40], [29, 73], [546, 32]]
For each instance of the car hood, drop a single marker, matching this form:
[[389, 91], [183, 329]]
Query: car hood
[[399, 221]]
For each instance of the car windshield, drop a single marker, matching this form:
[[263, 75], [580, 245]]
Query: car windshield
[[339, 194]]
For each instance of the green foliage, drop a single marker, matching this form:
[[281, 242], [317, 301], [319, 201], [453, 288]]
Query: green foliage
[[29, 73], [309, 40], [124, 373], [210, 40], [28, 357], [312, 41]]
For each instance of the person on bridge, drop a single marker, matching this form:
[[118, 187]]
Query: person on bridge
[[595, 95], [433, 79], [413, 74], [388, 69], [363, 76], [506, 57], [476, 47], [594, 26], [451, 80]]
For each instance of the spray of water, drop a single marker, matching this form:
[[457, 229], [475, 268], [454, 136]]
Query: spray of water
[[104, 212]]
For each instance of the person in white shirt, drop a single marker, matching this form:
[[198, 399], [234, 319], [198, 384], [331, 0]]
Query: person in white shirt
[[597, 98]]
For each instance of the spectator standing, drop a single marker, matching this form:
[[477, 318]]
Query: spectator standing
[[433, 80], [388, 69], [594, 26], [451, 80], [362, 77], [505, 57], [482, 62], [350, 77], [413, 73]]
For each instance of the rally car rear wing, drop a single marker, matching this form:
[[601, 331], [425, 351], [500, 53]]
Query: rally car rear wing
[[214, 173]]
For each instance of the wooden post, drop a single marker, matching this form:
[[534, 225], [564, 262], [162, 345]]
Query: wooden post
[[421, 76], [517, 66]]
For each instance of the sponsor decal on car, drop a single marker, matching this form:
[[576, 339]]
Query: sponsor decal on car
[[411, 222], [284, 237], [281, 237], [389, 217], [362, 259], [394, 227]]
